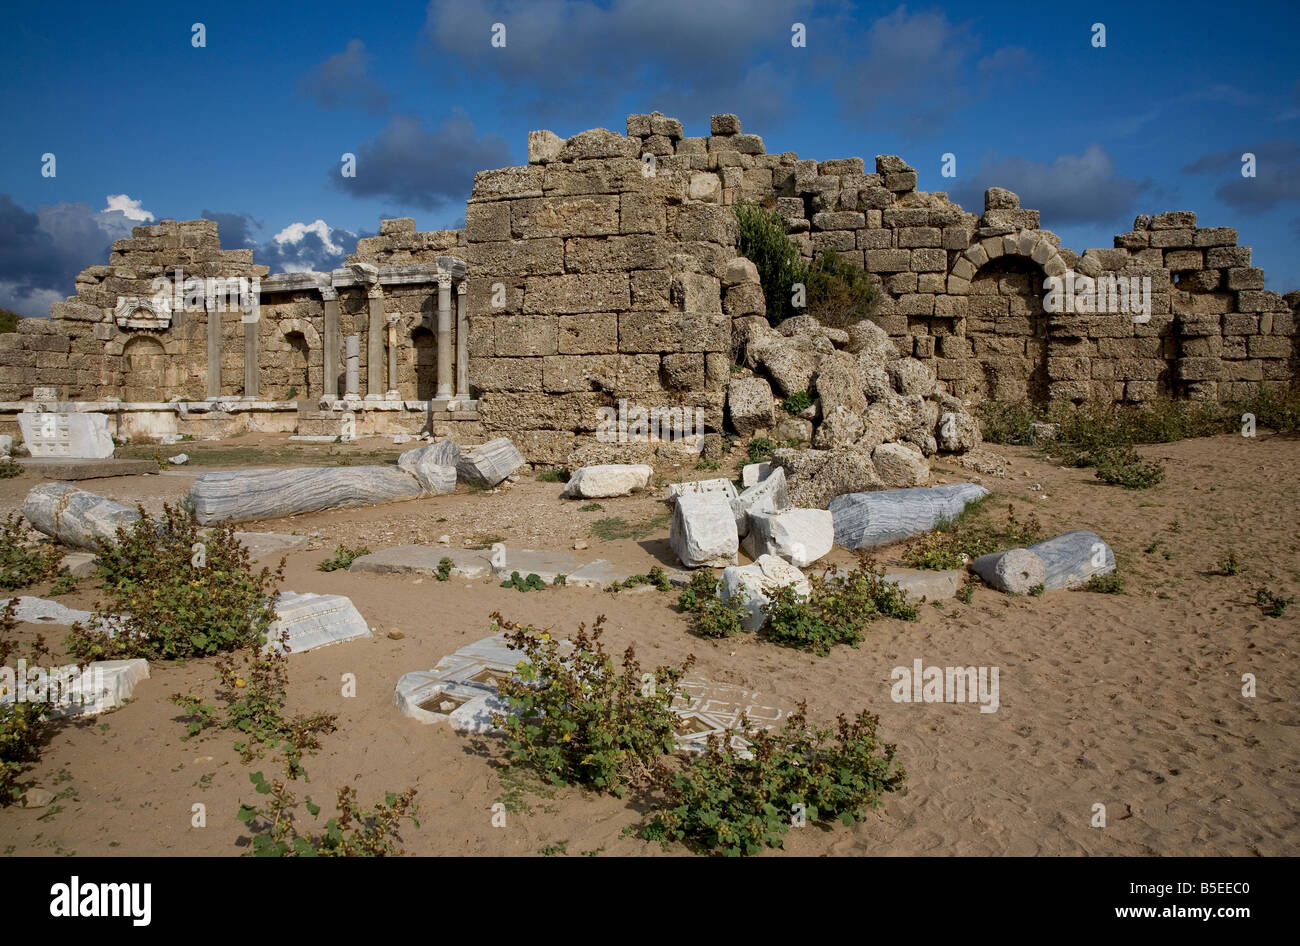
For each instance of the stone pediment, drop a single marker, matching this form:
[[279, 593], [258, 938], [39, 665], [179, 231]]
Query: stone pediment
[[140, 312]]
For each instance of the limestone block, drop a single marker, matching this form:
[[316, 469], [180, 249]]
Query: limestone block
[[800, 536], [720, 485], [750, 405], [768, 496], [704, 530], [606, 480]]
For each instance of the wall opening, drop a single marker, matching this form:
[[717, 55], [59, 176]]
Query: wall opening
[[144, 370], [424, 345], [1006, 325]]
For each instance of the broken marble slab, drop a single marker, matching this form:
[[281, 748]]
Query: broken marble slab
[[606, 480], [270, 544], [34, 610], [750, 586], [434, 466], [487, 464], [307, 621], [424, 560], [704, 530], [865, 520], [751, 474], [98, 687], [768, 496], [696, 487], [461, 691], [74, 516], [247, 495], [1074, 557], [52, 434], [800, 536]]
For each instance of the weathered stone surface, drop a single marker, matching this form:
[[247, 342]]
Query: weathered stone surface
[[307, 621], [911, 376], [750, 586], [59, 468], [873, 342], [434, 466], [750, 406], [74, 516], [800, 536], [246, 495], [544, 147], [33, 610], [900, 466], [66, 435], [768, 496], [719, 484], [865, 520], [926, 583], [753, 473], [1073, 558], [1017, 571], [607, 479], [488, 464], [704, 530], [262, 545], [425, 560], [957, 432]]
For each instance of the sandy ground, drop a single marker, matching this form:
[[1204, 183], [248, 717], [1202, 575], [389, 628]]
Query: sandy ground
[[1131, 701]]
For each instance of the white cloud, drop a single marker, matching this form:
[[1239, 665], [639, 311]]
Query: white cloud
[[295, 232], [129, 208]]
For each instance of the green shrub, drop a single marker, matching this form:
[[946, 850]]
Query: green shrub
[[252, 689], [972, 534], [178, 591], [718, 618], [839, 293], [590, 507], [838, 609], [23, 563], [760, 449], [1121, 466], [731, 802], [657, 577], [1108, 584], [445, 565], [9, 468], [343, 558], [9, 320], [353, 833], [576, 718], [702, 586], [553, 476], [1231, 565], [1009, 423], [532, 583], [23, 725], [764, 241], [1273, 604], [797, 403]]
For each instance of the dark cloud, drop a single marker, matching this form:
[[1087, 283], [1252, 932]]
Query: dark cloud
[[1075, 188], [418, 167], [568, 61], [344, 81], [235, 229], [41, 252], [1276, 180]]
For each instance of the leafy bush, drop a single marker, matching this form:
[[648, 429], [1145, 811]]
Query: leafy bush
[[657, 577], [22, 563], [764, 241], [838, 609], [1273, 604], [253, 686], [553, 476], [353, 833], [702, 586], [735, 803], [445, 565], [177, 591], [9, 320], [577, 718], [797, 403], [1122, 466], [839, 293], [711, 617], [1108, 584], [972, 534], [22, 724], [343, 558], [760, 449], [532, 583], [9, 468]]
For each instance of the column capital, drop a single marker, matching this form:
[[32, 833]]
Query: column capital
[[329, 293], [461, 288], [374, 291], [444, 281]]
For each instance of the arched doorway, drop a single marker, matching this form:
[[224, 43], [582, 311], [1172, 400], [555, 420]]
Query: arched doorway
[[424, 346], [144, 370]]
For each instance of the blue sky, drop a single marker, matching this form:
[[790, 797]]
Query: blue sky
[[250, 128]]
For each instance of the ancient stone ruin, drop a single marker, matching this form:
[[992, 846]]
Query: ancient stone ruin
[[603, 278]]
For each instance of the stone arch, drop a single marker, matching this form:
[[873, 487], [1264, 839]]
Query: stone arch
[[1006, 325], [147, 370], [303, 359]]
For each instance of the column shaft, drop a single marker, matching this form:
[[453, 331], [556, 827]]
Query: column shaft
[[444, 336], [375, 345], [462, 340], [331, 344]]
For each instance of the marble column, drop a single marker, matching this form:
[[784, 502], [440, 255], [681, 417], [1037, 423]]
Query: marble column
[[375, 344], [353, 382], [393, 393], [462, 340], [214, 353], [250, 359], [444, 335], [331, 341]]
